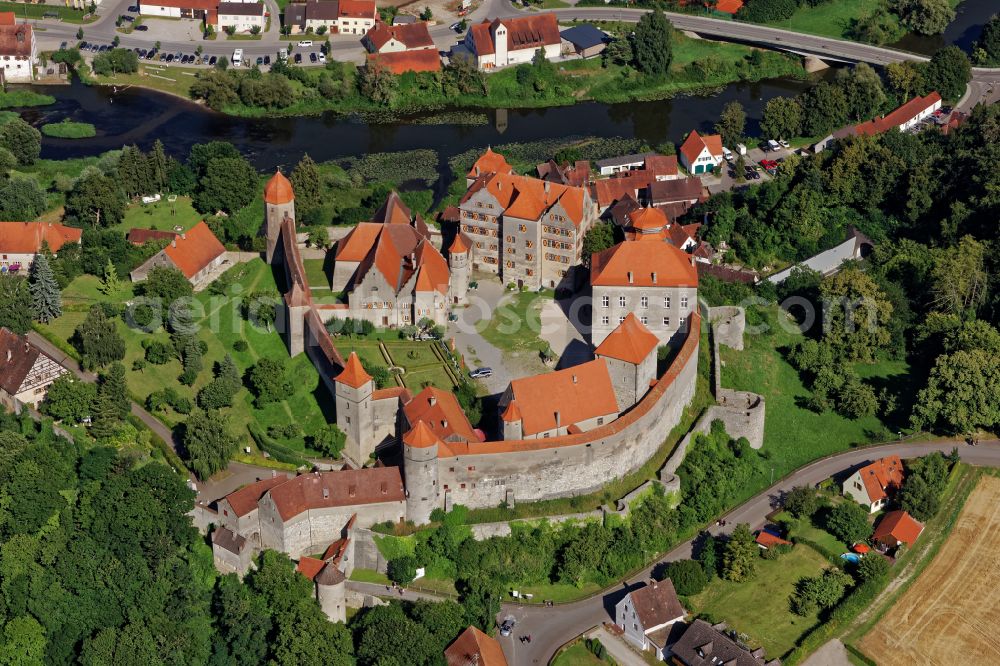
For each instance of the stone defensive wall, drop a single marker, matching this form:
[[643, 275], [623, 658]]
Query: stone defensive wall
[[485, 474]]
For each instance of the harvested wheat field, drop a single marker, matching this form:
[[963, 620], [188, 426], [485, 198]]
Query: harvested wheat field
[[951, 614]]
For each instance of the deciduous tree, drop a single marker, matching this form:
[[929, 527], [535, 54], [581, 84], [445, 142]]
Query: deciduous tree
[[208, 442]]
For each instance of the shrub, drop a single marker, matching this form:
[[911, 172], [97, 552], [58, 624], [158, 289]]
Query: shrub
[[687, 576], [240, 345], [159, 353], [402, 570]]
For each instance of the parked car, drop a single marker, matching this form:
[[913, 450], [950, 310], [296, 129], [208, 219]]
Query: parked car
[[305, 44], [312, 57], [260, 60], [62, 46], [298, 58], [134, 9], [170, 57], [83, 46], [142, 28], [783, 143], [213, 60], [126, 17], [508, 625], [267, 60], [457, 27], [727, 154], [481, 373], [773, 145], [153, 53], [322, 57], [104, 48]]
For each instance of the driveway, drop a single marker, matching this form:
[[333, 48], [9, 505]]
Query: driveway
[[478, 351], [552, 627]]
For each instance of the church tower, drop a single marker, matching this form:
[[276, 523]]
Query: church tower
[[279, 204]]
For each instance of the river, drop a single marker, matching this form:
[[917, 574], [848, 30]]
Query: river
[[970, 16], [141, 116]]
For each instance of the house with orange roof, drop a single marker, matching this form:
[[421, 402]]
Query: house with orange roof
[[656, 281], [400, 62], [392, 274], [701, 154], [196, 253], [474, 647], [567, 401], [344, 17], [897, 528], [21, 241], [488, 163], [903, 118], [384, 38], [510, 41], [876, 483], [18, 49], [528, 231]]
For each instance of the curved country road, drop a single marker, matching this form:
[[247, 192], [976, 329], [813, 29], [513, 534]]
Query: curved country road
[[551, 627]]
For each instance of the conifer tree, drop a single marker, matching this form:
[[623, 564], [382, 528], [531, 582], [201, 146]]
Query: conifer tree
[[46, 299], [111, 285]]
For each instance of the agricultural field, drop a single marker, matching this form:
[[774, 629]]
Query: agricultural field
[[950, 613]]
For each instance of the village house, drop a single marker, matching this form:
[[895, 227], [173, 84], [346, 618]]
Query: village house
[[242, 16], [510, 41], [390, 271], [873, 485], [567, 401], [701, 154], [18, 50], [196, 253], [395, 38], [345, 17], [903, 118], [203, 10], [647, 615], [768, 538], [655, 280], [26, 372], [574, 175], [528, 231], [677, 196], [897, 528], [703, 644], [659, 167], [21, 241], [474, 648], [586, 39]]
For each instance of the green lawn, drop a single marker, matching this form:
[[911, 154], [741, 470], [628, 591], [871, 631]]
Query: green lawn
[[830, 19], [793, 434], [577, 654], [516, 321], [23, 10], [422, 366], [805, 529], [222, 324], [760, 607], [316, 274], [161, 215]]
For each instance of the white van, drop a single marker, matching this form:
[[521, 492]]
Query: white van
[[741, 149], [237, 57], [305, 43], [727, 154], [773, 145]]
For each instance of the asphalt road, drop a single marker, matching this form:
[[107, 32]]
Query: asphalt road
[[550, 628]]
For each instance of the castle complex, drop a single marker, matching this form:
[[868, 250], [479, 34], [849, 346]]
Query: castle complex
[[561, 433]]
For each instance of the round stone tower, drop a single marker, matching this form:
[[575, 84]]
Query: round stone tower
[[420, 470], [279, 203], [459, 262], [331, 591], [512, 423]]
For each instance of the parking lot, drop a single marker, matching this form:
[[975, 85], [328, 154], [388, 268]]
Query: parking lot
[[723, 181]]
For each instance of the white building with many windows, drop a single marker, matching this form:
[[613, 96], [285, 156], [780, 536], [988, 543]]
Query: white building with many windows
[[650, 278]]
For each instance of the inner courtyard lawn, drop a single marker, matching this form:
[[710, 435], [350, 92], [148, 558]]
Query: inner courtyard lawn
[[162, 215], [760, 608]]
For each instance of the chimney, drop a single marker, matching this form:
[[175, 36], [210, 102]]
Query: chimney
[[183, 236], [173, 243], [444, 423], [654, 278], [382, 487], [352, 490], [557, 419], [546, 187], [9, 355], [630, 277], [326, 493], [574, 379]]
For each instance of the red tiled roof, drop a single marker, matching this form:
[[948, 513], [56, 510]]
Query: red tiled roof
[[140, 236], [630, 341], [393, 211], [482, 40], [767, 539], [489, 162], [671, 266], [278, 190], [661, 165], [354, 374], [442, 413], [512, 413], [27, 237], [346, 487], [474, 647], [609, 190], [528, 198], [656, 604], [411, 35], [309, 567], [696, 143], [15, 40], [357, 8], [899, 116], [898, 525], [882, 477], [398, 251], [195, 249], [421, 436], [244, 500], [8, 18], [461, 244], [729, 6], [647, 219], [22, 355], [576, 394], [399, 62], [675, 191]]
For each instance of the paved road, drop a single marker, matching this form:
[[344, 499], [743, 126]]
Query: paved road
[[552, 627]]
